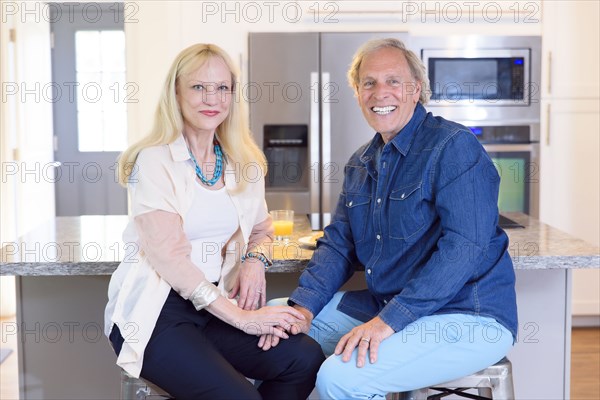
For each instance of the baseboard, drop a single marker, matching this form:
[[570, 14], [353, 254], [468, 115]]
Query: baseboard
[[581, 321]]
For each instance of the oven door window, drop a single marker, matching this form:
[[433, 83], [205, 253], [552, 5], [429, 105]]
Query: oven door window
[[515, 172]]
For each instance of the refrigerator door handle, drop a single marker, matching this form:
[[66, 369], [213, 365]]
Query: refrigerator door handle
[[314, 184], [326, 166]]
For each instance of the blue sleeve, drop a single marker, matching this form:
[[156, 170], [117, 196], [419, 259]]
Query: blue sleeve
[[331, 265]]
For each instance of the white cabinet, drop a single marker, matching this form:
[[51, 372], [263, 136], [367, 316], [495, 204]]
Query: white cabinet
[[570, 164], [570, 170], [571, 41]]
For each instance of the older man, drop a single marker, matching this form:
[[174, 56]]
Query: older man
[[419, 211]]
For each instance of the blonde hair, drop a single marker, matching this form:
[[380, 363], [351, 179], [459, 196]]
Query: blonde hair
[[417, 68], [233, 134]]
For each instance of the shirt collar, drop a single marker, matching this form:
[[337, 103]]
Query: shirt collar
[[403, 139], [179, 150], [371, 150]]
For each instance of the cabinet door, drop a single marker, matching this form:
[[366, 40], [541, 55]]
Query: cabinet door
[[569, 173], [571, 41]]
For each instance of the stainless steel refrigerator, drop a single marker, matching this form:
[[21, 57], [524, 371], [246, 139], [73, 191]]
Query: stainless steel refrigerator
[[305, 116]]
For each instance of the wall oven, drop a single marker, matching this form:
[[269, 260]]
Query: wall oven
[[517, 159], [491, 84]]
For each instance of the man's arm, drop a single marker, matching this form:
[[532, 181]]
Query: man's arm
[[331, 265]]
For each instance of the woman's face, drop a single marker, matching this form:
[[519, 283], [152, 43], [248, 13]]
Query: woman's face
[[204, 96]]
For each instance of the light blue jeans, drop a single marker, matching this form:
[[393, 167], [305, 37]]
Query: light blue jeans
[[431, 350]]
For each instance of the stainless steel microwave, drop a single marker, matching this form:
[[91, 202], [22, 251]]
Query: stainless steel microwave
[[485, 77], [482, 78]]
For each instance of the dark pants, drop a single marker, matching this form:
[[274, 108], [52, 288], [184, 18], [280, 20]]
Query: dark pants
[[194, 355]]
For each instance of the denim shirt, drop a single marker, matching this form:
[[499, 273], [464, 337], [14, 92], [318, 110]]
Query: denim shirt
[[420, 214]]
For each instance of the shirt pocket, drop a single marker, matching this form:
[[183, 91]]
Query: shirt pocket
[[357, 207], [406, 216]]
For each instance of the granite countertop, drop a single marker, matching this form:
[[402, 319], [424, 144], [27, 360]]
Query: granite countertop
[[91, 245]]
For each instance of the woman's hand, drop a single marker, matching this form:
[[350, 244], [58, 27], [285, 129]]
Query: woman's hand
[[268, 341], [367, 336], [269, 320], [251, 285]]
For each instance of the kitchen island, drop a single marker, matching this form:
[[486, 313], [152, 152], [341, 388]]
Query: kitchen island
[[63, 268]]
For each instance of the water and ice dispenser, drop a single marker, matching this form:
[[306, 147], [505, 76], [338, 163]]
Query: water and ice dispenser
[[286, 149]]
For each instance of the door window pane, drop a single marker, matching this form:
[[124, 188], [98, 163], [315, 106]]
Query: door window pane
[[101, 109]]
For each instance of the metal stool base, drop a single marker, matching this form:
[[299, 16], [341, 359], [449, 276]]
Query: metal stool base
[[138, 389], [494, 382]]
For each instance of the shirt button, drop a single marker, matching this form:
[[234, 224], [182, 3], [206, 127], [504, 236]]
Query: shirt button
[[350, 204], [378, 237], [378, 201], [385, 302], [369, 271]]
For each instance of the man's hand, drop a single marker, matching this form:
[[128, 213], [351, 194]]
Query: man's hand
[[367, 336], [302, 326]]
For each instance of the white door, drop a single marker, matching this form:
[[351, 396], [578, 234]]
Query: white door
[[27, 159], [90, 97]]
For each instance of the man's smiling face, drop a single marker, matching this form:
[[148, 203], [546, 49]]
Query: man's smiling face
[[387, 91]]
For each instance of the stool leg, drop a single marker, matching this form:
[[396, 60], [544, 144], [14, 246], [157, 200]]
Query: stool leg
[[418, 394], [504, 389], [132, 388]]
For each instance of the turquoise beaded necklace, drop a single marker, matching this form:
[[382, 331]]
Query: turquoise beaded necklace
[[218, 166]]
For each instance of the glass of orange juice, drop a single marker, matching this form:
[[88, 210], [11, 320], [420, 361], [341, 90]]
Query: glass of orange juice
[[283, 222]]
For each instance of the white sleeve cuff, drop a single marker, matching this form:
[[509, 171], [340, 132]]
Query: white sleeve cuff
[[204, 294]]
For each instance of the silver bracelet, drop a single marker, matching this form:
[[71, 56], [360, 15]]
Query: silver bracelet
[[204, 294]]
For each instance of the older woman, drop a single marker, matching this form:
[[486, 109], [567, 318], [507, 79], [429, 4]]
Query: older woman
[[200, 223]]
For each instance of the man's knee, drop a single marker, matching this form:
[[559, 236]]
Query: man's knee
[[330, 380]]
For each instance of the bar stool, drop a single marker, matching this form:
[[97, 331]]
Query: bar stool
[[494, 382], [138, 389]]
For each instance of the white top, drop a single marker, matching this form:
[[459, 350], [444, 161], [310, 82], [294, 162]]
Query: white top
[[209, 231], [165, 187]]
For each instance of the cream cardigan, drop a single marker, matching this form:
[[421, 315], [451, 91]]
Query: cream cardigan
[[161, 194]]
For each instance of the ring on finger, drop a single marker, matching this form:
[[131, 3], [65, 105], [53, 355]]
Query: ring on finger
[[364, 339]]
